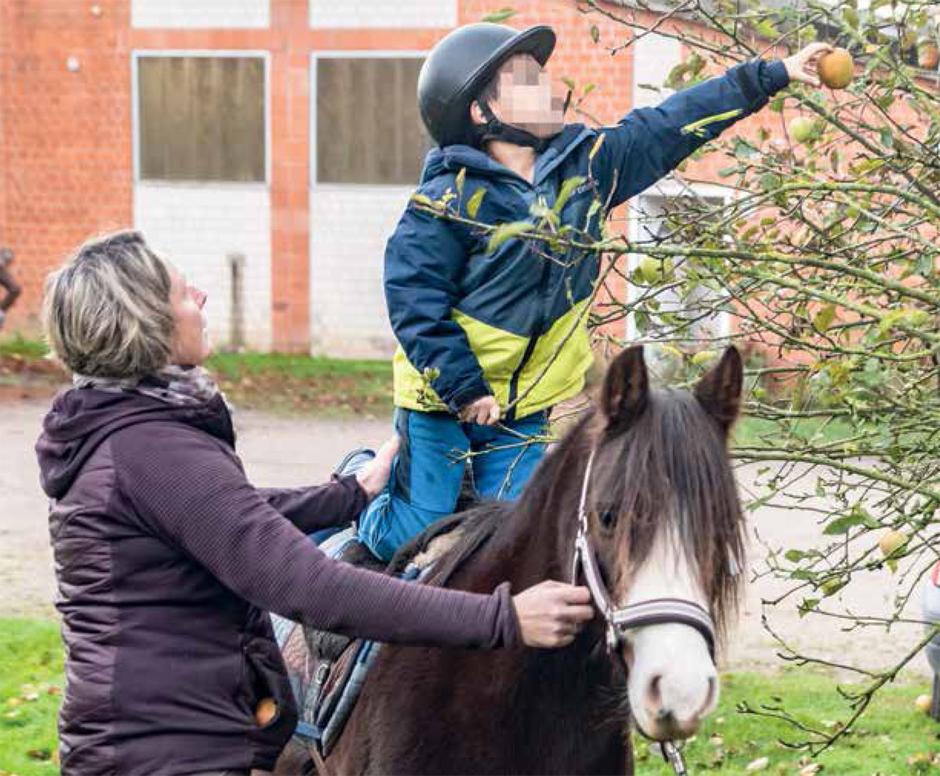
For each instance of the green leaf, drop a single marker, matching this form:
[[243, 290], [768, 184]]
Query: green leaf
[[824, 318], [766, 29], [807, 605], [567, 189], [505, 232], [833, 586], [597, 146], [473, 204], [592, 211], [499, 16], [422, 199], [858, 516], [842, 525], [770, 181], [795, 556], [595, 33], [459, 180]]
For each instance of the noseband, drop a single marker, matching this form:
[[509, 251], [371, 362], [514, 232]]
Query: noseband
[[619, 620]]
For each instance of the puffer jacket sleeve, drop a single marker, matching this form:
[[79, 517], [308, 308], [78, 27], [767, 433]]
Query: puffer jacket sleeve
[[424, 261], [650, 142], [184, 488]]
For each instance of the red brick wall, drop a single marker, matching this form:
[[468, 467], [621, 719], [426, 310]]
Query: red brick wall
[[65, 140]]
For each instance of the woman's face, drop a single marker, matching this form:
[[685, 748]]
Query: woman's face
[[191, 338]]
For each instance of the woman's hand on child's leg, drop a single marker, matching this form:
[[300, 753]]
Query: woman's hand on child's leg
[[483, 411], [373, 477]]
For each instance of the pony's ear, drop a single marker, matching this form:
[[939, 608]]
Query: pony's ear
[[719, 391], [626, 387]]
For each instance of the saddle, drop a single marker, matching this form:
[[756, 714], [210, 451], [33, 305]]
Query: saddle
[[326, 670]]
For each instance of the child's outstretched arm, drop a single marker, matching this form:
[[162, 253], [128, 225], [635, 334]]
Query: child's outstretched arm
[[650, 142], [424, 261]]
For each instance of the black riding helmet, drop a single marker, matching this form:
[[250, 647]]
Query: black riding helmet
[[461, 64]]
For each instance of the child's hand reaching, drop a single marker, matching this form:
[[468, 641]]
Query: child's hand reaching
[[801, 67], [484, 412]]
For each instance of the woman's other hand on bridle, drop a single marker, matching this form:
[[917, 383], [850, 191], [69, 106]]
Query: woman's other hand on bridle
[[373, 477], [552, 613]]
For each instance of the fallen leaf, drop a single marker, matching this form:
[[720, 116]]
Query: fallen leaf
[[759, 764]]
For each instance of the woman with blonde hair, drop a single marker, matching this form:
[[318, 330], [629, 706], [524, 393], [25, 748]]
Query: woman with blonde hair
[[167, 558]]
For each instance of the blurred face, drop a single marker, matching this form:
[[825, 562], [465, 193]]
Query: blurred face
[[191, 338], [526, 98]]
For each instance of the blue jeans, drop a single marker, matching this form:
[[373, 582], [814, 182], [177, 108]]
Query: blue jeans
[[428, 472]]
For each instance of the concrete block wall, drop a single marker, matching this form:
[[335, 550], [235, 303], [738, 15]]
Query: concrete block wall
[[197, 226], [347, 301]]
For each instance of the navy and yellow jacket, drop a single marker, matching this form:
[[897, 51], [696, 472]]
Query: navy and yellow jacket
[[512, 323]]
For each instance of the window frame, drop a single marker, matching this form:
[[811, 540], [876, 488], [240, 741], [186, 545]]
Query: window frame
[[669, 188], [138, 54], [315, 56]]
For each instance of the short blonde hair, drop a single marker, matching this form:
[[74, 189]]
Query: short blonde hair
[[107, 310]]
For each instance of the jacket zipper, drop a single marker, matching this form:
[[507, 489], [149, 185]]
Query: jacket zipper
[[530, 347]]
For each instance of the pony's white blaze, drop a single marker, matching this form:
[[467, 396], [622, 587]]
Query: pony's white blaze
[[673, 682]]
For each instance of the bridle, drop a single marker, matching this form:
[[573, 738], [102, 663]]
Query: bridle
[[619, 620]]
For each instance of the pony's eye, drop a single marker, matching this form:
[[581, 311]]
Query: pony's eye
[[607, 517]]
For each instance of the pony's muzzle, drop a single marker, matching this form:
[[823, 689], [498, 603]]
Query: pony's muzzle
[[674, 718]]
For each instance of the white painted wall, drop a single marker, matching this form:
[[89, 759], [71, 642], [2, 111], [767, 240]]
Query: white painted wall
[[349, 226], [654, 55], [197, 225], [383, 13], [200, 13]]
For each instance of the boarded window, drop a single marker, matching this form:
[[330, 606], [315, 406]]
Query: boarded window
[[368, 126], [201, 118]]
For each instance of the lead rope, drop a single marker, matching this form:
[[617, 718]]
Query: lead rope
[[669, 750]]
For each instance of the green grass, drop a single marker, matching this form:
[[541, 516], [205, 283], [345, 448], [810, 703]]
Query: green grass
[[891, 733], [18, 346], [300, 383], [233, 365], [31, 681]]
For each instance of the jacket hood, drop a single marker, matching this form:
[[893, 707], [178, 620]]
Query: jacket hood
[[82, 418]]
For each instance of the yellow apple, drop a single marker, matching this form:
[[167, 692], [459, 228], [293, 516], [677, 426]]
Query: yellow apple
[[891, 542], [802, 129], [653, 270], [923, 703], [928, 54], [836, 69]]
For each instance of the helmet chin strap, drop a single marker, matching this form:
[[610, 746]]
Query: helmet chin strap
[[494, 129]]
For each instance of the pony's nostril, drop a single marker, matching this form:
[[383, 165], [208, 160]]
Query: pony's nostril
[[654, 697]]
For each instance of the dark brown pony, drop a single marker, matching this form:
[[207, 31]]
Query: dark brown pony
[[660, 467]]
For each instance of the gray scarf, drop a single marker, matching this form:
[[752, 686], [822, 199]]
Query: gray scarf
[[177, 385]]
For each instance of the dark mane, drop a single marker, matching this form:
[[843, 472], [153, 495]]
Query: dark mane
[[670, 468]]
